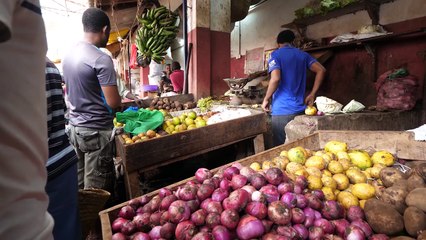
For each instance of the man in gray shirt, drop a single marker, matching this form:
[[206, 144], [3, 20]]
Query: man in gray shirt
[[92, 92]]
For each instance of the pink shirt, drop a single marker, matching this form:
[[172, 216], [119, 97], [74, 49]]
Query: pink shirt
[[177, 80]]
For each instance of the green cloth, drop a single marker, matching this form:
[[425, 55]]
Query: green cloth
[[140, 121]]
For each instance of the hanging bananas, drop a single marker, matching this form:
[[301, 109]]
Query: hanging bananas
[[158, 28]]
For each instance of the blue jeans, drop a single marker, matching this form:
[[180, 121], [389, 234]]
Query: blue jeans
[[63, 204], [278, 124]]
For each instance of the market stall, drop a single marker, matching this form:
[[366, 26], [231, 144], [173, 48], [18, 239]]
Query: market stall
[[164, 150], [400, 145]]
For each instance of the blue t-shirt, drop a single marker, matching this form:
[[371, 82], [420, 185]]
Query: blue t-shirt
[[86, 70], [290, 94]]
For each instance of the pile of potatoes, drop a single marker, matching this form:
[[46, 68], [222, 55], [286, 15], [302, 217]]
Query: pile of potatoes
[[400, 207], [170, 106]]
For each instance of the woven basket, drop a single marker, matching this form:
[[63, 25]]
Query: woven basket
[[91, 202]]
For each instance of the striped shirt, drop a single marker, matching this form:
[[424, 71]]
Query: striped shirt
[[61, 153]]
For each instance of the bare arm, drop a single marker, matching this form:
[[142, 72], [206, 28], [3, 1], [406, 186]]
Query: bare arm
[[112, 97], [272, 87], [319, 71]]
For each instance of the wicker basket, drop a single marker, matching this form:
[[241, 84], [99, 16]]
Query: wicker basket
[[91, 202]]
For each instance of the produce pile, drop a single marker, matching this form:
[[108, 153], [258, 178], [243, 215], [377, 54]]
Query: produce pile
[[158, 28], [317, 7], [170, 106]]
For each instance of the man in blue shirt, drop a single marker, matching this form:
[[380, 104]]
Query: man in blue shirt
[[287, 86]]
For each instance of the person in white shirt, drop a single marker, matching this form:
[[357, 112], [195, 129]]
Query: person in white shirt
[[23, 128]]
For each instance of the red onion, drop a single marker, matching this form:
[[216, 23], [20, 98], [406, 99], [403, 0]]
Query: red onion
[[139, 210], [249, 227], [355, 212], [165, 217], [166, 201], [301, 200], [319, 194], [309, 217], [187, 192], [229, 218], [314, 201], [167, 230], [209, 182], [204, 229], [246, 171], [316, 233], [193, 183], [237, 200], [202, 174], [214, 207], [301, 230], [179, 211], [379, 237], [327, 226], [267, 224], [134, 203], [202, 236], [229, 172], [155, 218], [332, 210], [185, 230], [199, 217], [204, 203], [155, 233], [258, 197], [127, 212], [219, 194], [340, 226], [205, 191], [140, 236], [363, 226], [257, 209], [279, 213], [285, 187], [118, 236], [301, 181], [271, 193], [257, 180], [117, 224], [289, 199], [221, 233], [273, 236], [249, 189], [142, 222], [155, 203], [128, 228], [317, 215], [163, 192], [237, 165], [297, 216], [147, 208], [238, 181], [216, 181], [274, 176], [144, 200], [212, 219], [354, 233], [332, 237], [225, 184], [193, 205], [298, 189], [288, 232]]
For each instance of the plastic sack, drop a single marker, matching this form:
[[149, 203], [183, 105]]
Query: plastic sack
[[140, 121], [328, 105], [353, 106]]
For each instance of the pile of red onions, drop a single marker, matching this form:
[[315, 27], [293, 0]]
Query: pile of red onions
[[239, 203]]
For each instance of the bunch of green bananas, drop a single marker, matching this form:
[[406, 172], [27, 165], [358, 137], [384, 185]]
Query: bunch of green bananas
[[158, 28]]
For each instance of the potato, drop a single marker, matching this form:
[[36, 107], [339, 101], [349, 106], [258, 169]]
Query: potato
[[395, 196], [422, 236], [390, 175], [416, 198], [382, 217], [403, 183], [415, 181], [402, 238], [414, 221]]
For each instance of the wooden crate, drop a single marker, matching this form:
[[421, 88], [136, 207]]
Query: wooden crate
[[401, 144], [164, 150]]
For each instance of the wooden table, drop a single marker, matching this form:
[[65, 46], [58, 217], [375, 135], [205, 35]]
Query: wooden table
[[168, 149]]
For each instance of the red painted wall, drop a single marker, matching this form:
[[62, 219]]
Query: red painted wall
[[220, 61], [237, 67]]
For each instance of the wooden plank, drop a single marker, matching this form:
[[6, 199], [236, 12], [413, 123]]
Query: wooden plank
[[259, 143], [146, 154]]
